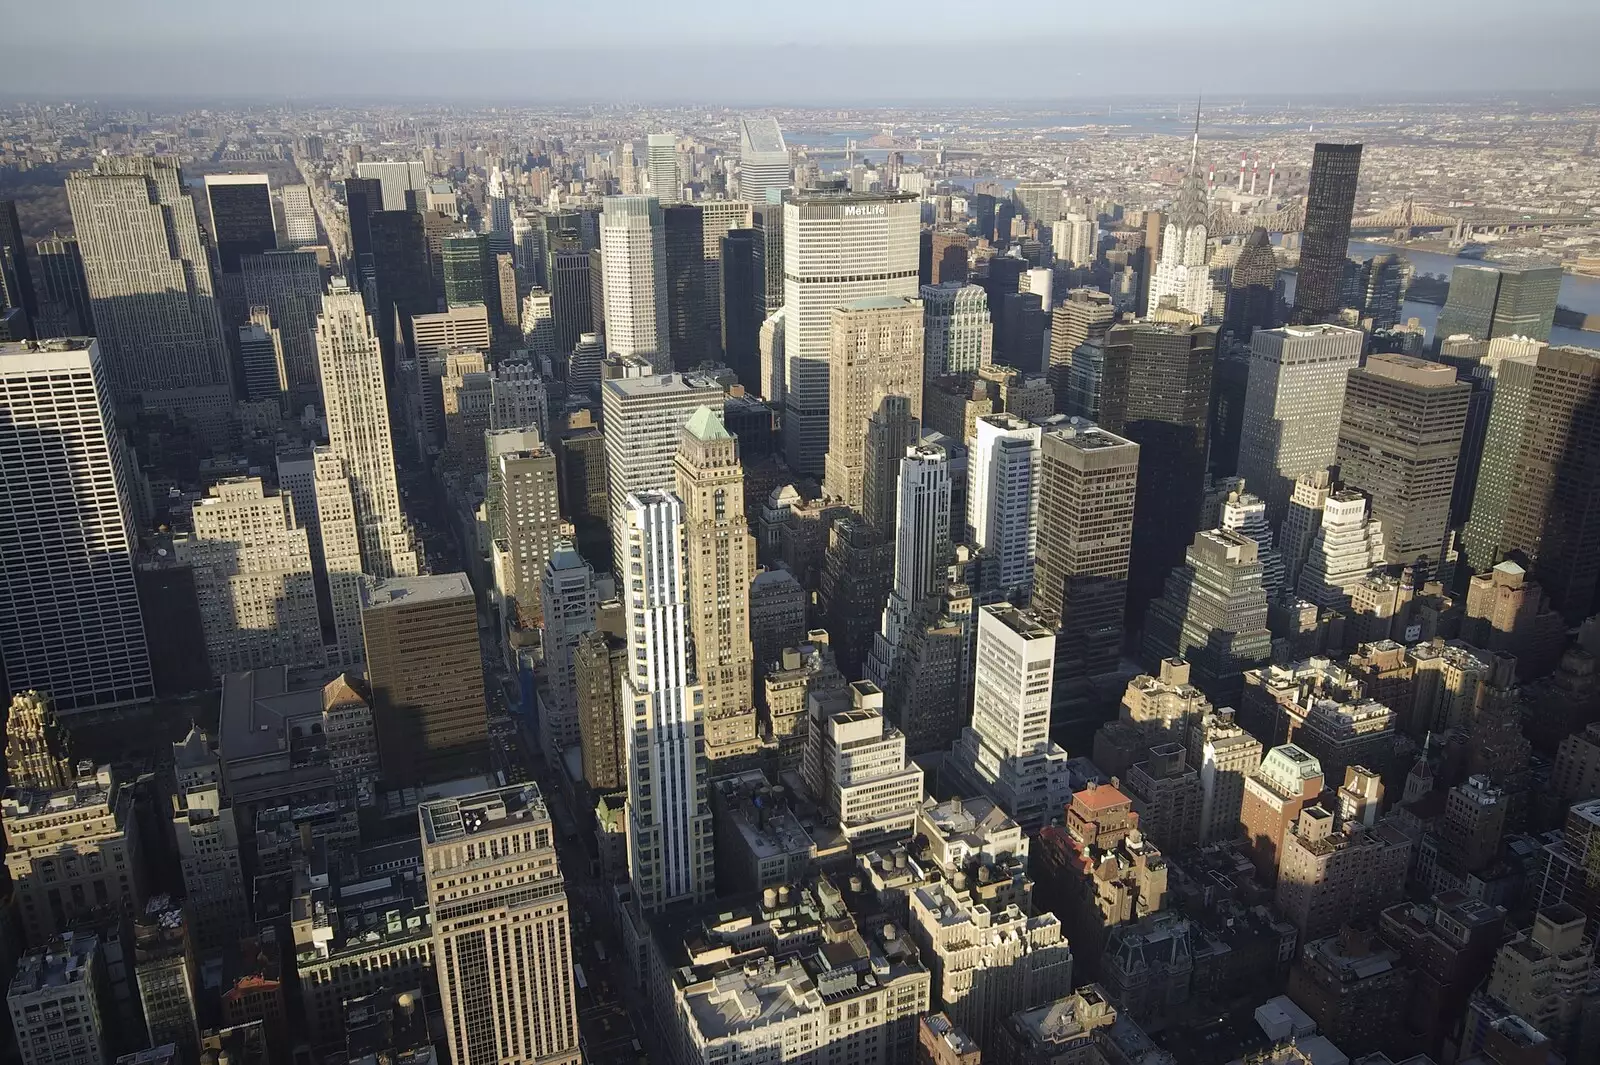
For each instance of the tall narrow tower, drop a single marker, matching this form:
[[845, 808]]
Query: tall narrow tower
[[357, 405], [921, 551], [666, 181], [876, 350], [1003, 501], [633, 255], [720, 563], [669, 817], [1183, 280], [1330, 204]]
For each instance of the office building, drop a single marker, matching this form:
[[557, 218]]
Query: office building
[[69, 612], [1329, 877], [950, 255], [1003, 501], [684, 241], [164, 971], [837, 248], [718, 218], [669, 816], [1224, 755], [1155, 390], [1286, 782], [356, 402], [643, 418], [1353, 989], [1347, 547], [252, 576], [921, 551], [1324, 245], [1167, 796], [875, 352], [57, 1002], [518, 397], [16, 279], [426, 674], [1007, 753], [599, 666], [1214, 614], [1253, 287], [395, 179], [155, 307], [1078, 327], [661, 166], [958, 335], [1399, 438], [503, 945], [739, 310], [65, 288], [890, 430], [1088, 480], [763, 159], [567, 597], [299, 216], [1293, 404], [72, 841], [1156, 710], [525, 520], [572, 305], [1182, 281], [1075, 240], [336, 551], [856, 766], [633, 248], [720, 557], [1487, 302], [241, 217], [766, 219], [289, 285], [1244, 512], [465, 398], [207, 838]]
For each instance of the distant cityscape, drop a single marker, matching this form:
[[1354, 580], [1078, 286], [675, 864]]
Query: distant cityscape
[[1114, 584]]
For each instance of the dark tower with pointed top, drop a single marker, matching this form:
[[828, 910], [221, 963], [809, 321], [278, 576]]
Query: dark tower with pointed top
[[1252, 290]]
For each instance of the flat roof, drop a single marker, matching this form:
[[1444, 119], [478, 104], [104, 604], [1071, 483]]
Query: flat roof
[[408, 591]]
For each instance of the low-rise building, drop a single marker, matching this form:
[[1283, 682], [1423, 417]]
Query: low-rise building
[[1062, 1032]]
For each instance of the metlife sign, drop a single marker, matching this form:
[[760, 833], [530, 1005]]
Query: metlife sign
[[860, 210]]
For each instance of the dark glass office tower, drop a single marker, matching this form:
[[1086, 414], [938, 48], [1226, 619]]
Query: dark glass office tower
[[571, 296], [1330, 203], [16, 281], [740, 327], [1155, 390], [364, 198], [686, 283], [1253, 287], [403, 277], [768, 219], [241, 216], [1486, 302]]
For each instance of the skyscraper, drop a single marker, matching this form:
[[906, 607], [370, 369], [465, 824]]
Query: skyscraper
[[1088, 479], [921, 551], [339, 540], [289, 285], [1324, 247], [1007, 753], [567, 599], [357, 406], [959, 337], [1214, 614], [718, 218], [426, 673], [838, 247], [1183, 280], [299, 216], [571, 303], [669, 815], [241, 216], [395, 179], [719, 562], [1079, 321], [1003, 501], [876, 351], [1253, 287], [1293, 403], [767, 221], [498, 215], [685, 283], [633, 250], [1155, 390], [150, 287], [666, 180], [1486, 302], [69, 612], [16, 280], [1549, 512], [503, 950], [763, 159], [740, 294], [66, 289], [1399, 438]]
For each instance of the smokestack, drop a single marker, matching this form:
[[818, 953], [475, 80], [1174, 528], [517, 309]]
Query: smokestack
[[1255, 172], [1241, 173], [1272, 178]]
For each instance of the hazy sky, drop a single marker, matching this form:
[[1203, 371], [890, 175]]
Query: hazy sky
[[798, 51]]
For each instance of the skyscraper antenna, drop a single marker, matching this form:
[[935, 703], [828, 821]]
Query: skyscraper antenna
[[1194, 148]]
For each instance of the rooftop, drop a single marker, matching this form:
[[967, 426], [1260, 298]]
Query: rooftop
[[447, 820], [61, 962], [408, 591]]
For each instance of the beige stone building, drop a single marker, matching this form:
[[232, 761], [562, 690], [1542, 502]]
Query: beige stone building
[[876, 351]]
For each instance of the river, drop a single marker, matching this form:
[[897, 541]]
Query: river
[[1577, 293]]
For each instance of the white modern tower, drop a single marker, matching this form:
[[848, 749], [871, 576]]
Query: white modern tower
[[299, 216], [1293, 404], [958, 334], [1003, 501], [837, 248], [633, 254], [1006, 753], [921, 551], [666, 182], [69, 611], [501, 235], [357, 405], [763, 158], [669, 819], [567, 601]]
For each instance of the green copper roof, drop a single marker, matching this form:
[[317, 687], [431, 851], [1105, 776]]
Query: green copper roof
[[706, 424]]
